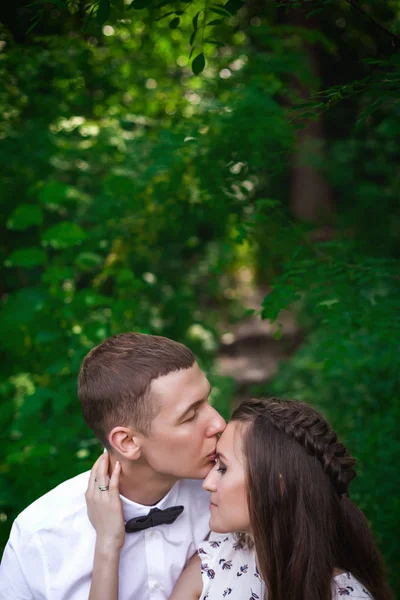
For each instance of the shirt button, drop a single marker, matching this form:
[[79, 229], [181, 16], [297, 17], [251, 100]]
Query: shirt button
[[155, 586]]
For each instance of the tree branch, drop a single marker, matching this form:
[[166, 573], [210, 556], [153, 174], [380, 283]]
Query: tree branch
[[395, 38]]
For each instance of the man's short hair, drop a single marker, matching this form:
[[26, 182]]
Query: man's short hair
[[115, 378]]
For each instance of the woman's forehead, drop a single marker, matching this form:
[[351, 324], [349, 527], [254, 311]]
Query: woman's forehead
[[230, 444]]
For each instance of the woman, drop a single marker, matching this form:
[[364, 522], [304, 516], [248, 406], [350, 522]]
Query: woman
[[281, 481]]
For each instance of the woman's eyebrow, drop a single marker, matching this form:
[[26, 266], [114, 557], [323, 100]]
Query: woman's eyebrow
[[220, 455]]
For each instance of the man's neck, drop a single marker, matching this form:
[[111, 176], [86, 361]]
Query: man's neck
[[140, 484]]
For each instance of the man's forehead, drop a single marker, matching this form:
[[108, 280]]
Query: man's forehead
[[190, 384]]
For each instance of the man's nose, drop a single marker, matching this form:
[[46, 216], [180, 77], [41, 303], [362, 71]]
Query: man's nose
[[217, 423]]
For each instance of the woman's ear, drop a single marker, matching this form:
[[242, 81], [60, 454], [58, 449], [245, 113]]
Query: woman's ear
[[125, 442]]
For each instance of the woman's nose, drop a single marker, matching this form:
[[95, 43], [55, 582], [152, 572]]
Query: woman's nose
[[209, 484]]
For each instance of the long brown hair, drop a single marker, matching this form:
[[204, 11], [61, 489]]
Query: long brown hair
[[303, 521]]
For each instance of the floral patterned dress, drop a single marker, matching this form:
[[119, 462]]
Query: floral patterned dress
[[347, 586], [230, 572]]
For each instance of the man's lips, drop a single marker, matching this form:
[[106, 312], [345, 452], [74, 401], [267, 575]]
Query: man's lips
[[212, 456]]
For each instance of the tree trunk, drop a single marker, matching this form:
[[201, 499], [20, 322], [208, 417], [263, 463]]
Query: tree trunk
[[310, 195]]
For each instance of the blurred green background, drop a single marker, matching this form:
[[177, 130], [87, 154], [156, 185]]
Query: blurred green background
[[250, 210]]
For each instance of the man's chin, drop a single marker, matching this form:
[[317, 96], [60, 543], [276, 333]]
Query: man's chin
[[207, 469], [200, 473]]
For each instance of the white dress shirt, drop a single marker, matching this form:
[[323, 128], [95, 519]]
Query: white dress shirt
[[49, 555]]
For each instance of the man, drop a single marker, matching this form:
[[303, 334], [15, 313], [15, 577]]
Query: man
[[146, 400]]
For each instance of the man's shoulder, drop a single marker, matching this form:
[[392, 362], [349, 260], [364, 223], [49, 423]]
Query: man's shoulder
[[55, 506]]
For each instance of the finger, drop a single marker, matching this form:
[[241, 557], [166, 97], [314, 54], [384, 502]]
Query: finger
[[114, 481], [93, 475], [102, 470]]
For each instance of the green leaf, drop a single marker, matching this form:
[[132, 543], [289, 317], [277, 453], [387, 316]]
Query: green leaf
[[214, 22], [193, 37], [233, 6], [53, 192], [103, 12], [58, 367], [27, 257], [267, 203], [214, 43], [21, 307], [91, 299], [195, 20], [56, 192], [47, 337], [220, 10], [163, 3], [87, 24], [119, 5], [59, 3], [36, 21], [33, 404], [278, 333], [314, 12], [328, 303], [168, 14], [198, 64], [24, 216], [63, 235], [139, 4], [87, 261], [174, 24]]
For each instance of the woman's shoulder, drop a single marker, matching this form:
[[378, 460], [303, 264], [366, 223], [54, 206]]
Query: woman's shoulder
[[223, 545], [346, 585], [228, 569]]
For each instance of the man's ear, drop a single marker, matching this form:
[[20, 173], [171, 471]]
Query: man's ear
[[126, 442]]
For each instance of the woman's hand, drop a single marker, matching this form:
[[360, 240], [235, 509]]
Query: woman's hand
[[104, 507]]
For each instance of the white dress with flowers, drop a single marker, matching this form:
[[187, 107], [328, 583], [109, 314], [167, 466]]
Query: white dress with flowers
[[230, 572]]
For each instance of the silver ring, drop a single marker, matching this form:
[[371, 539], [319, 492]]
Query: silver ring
[[103, 488]]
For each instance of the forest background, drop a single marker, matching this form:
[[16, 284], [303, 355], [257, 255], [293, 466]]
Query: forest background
[[163, 162]]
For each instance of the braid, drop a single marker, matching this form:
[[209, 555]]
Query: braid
[[302, 535], [309, 429]]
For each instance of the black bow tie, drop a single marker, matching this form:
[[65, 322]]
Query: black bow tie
[[155, 517]]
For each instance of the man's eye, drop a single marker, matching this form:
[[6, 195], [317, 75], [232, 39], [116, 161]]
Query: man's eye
[[192, 418]]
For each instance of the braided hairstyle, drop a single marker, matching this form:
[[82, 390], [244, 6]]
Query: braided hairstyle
[[303, 521]]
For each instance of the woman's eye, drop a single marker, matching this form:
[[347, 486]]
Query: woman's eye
[[221, 468]]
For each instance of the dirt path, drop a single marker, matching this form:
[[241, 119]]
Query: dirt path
[[250, 352]]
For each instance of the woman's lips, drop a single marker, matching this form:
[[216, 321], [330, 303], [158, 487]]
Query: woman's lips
[[212, 456]]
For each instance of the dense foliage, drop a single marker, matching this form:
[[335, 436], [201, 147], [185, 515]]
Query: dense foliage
[[133, 192]]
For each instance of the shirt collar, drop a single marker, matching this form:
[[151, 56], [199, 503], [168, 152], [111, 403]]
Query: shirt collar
[[133, 509]]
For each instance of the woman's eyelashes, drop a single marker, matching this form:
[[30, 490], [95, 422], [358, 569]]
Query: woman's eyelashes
[[221, 467]]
